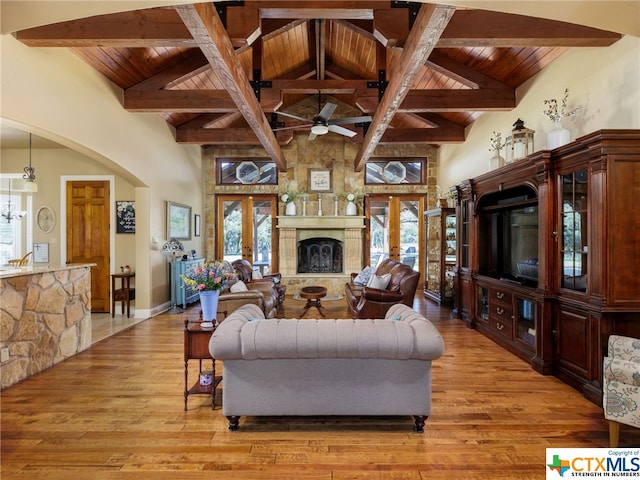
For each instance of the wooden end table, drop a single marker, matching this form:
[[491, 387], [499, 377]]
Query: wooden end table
[[123, 294], [196, 346], [313, 295]]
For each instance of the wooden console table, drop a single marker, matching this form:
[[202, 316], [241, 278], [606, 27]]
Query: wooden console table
[[123, 294]]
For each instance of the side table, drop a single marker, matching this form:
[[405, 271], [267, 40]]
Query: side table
[[196, 347], [123, 294]]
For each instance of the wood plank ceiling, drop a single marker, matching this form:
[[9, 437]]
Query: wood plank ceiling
[[218, 72]]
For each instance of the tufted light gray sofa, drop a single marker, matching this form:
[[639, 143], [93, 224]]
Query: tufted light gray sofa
[[326, 367]]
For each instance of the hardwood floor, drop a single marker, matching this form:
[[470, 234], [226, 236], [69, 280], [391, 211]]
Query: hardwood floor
[[115, 411]]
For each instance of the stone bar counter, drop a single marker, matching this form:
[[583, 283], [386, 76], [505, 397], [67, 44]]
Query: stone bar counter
[[45, 317]]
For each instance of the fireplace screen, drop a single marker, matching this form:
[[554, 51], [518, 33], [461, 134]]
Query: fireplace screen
[[320, 255]]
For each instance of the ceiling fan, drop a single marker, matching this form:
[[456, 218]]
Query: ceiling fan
[[323, 124]]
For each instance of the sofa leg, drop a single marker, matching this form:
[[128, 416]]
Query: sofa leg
[[419, 423], [234, 421]]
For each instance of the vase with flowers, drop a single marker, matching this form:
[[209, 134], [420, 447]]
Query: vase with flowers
[[559, 135], [353, 199], [209, 280], [497, 144], [288, 197]]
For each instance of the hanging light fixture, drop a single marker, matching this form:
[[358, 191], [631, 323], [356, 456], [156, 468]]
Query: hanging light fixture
[[29, 176], [8, 210]]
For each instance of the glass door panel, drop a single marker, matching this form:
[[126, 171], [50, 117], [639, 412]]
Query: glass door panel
[[245, 230], [263, 235], [396, 229], [378, 231], [526, 321], [409, 231], [573, 215]]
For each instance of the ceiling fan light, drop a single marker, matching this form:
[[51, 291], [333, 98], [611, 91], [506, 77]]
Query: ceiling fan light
[[320, 129]]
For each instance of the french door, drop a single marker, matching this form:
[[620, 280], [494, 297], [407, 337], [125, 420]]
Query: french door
[[245, 228], [396, 229]]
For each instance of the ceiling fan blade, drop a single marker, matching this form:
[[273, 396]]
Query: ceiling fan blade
[[342, 131], [343, 121], [290, 127], [327, 111], [312, 136], [302, 119]]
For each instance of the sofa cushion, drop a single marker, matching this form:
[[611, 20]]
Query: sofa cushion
[[379, 281], [364, 276], [239, 286]]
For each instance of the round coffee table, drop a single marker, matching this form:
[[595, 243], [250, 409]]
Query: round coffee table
[[313, 295]]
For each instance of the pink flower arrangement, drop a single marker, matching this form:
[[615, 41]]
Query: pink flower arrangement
[[210, 276]]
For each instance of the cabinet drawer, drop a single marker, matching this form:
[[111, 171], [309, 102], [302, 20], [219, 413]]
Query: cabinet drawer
[[501, 312], [503, 326], [499, 295]]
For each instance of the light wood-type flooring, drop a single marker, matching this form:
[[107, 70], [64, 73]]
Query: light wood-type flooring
[[115, 411]]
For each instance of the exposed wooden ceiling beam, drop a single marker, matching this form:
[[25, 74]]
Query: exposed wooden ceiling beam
[[461, 73], [446, 100], [163, 27], [141, 28], [427, 28], [423, 135], [177, 74], [246, 136], [206, 28], [480, 28], [226, 136]]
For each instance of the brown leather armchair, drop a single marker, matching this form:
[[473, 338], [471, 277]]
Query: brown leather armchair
[[369, 302], [244, 269], [258, 293]]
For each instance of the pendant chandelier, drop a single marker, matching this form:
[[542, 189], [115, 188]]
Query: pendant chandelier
[[29, 176]]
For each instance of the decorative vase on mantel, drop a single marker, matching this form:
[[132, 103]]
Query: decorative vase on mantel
[[558, 136], [496, 161], [352, 209], [290, 209], [209, 305]]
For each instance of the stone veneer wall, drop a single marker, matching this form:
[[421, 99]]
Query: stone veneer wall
[[329, 151], [45, 318]]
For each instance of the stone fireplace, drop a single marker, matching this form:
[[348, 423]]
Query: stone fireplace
[[320, 250]]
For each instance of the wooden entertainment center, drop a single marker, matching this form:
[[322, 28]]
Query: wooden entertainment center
[[548, 262]]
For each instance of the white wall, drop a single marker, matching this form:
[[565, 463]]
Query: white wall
[[54, 94], [605, 81]]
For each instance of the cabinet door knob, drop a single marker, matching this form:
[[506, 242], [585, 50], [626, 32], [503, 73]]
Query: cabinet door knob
[[500, 294], [500, 311], [500, 326]]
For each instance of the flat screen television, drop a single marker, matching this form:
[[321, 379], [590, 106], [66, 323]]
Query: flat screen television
[[508, 235]]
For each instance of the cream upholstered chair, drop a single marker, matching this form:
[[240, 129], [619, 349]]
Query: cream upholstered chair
[[621, 385]]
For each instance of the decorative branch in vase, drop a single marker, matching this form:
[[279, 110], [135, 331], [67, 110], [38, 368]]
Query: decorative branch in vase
[[496, 144], [559, 135]]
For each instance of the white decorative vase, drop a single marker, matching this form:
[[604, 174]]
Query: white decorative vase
[[496, 162], [352, 208], [558, 136], [290, 209], [209, 306]]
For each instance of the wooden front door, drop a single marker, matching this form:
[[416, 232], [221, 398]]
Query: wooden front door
[[88, 235]]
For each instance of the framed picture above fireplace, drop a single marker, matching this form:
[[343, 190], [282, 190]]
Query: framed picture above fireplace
[[320, 180]]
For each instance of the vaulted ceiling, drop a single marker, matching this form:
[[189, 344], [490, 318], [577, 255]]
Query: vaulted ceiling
[[220, 72]]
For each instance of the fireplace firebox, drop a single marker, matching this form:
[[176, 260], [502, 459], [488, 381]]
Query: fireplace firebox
[[320, 255]]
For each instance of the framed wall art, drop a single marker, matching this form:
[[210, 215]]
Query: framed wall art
[[320, 180], [178, 221], [125, 216]]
